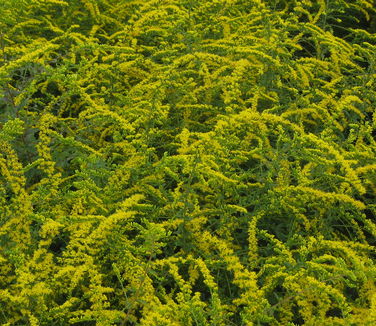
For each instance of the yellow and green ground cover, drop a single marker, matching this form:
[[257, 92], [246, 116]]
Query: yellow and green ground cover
[[187, 162]]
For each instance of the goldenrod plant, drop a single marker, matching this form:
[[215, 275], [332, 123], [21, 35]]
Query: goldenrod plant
[[186, 162]]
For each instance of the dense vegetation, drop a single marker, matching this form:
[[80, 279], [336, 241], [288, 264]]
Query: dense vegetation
[[187, 162]]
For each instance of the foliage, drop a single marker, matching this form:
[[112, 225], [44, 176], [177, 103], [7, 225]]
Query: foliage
[[187, 162]]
